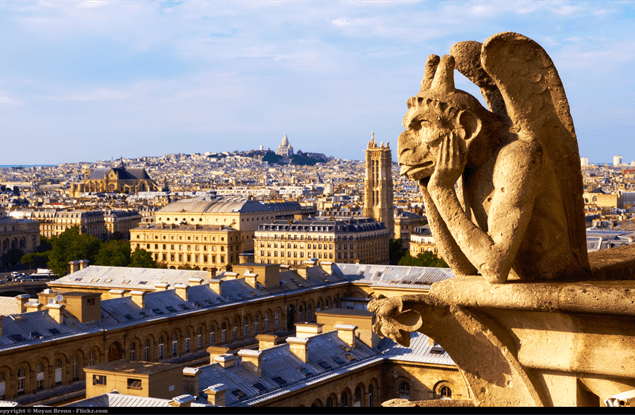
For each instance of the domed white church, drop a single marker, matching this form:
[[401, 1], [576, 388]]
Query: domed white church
[[285, 149]]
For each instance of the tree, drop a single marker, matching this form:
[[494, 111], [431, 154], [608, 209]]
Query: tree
[[424, 259], [36, 260], [395, 251], [45, 244], [141, 258], [113, 253], [12, 256], [120, 236], [72, 246]]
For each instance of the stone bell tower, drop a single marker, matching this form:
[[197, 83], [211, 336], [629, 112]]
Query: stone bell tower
[[378, 193]]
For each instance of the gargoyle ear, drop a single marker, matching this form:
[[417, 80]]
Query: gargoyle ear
[[470, 125]]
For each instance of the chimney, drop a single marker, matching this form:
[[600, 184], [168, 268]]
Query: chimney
[[215, 285], [190, 380], [301, 270], [225, 360], [346, 333], [138, 297], [182, 401], [161, 286], [327, 267], [115, 294], [430, 341], [216, 394], [215, 352], [211, 273], [195, 281], [251, 279], [22, 300], [243, 259], [83, 264], [299, 347], [74, 266], [231, 276], [181, 290], [252, 360], [304, 330], [33, 306], [266, 341], [55, 311]]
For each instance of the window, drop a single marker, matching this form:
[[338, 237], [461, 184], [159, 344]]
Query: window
[[58, 371], [245, 328], [21, 380], [146, 352], [199, 339], [370, 395], [99, 380], [279, 380], [275, 320], [3, 385], [187, 341], [239, 394], [329, 402], [223, 333], [344, 399], [234, 333], [91, 358], [404, 390], [256, 328], [266, 322], [175, 345], [161, 347], [40, 376], [134, 383], [133, 351], [261, 388], [75, 367], [445, 392]]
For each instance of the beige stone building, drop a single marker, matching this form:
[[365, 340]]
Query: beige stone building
[[405, 223], [598, 198], [54, 222], [200, 246], [421, 240], [359, 240], [243, 215], [22, 234], [378, 187], [119, 222]]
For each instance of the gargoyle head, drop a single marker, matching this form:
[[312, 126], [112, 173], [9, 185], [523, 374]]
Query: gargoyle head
[[437, 110]]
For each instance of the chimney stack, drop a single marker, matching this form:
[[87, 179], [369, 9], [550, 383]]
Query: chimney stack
[[225, 360], [83, 264], [327, 267], [22, 300], [181, 290], [301, 270], [231, 276], [190, 380], [214, 352], [215, 285], [138, 297], [211, 273], [346, 333], [182, 401], [251, 279], [161, 286], [33, 306], [299, 347], [115, 294], [304, 330], [266, 341], [195, 281], [55, 311], [216, 394], [74, 266], [252, 360]]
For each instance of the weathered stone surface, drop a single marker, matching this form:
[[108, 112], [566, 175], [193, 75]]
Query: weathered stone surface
[[519, 209], [438, 403]]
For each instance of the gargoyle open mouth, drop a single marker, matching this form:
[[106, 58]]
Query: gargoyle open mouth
[[414, 172]]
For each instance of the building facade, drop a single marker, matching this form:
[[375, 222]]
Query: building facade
[[119, 222], [421, 240], [195, 246], [360, 240], [378, 187], [54, 222], [22, 234], [285, 149], [115, 180]]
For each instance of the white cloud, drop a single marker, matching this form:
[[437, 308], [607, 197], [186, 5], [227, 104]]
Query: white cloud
[[6, 101], [92, 3]]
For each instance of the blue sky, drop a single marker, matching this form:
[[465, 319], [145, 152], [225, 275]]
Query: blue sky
[[91, 80]]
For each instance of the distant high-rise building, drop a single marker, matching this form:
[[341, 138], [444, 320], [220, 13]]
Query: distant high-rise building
[[285, 149], [378, 190], [261, 147], [584, 161], [617, 160]]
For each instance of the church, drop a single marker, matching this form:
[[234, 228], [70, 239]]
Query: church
[[115, 180], [285, 149]]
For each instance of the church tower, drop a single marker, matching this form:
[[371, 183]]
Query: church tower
[[378, 193]]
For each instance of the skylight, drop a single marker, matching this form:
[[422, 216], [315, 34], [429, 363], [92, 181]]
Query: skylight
[[129, 317], [157, 311], [239, 394], [279, 380], [261, 388], [184, 307], [108, 280], [17, 337], [324, 365], [305, 372], [36, 335], [170, 308], [54, 331], [338, 360]]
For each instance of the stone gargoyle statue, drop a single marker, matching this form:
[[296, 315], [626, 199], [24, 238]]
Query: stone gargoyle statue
[[519, 207]]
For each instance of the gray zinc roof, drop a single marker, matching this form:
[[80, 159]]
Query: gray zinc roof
[[394, 274], [419, 351]]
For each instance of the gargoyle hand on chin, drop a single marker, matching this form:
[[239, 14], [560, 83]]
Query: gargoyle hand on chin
[[393, 321]]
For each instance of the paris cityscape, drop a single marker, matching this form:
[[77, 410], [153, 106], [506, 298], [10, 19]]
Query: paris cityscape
[[234, 212]]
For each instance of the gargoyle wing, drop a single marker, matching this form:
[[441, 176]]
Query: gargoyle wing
[[537, 105]]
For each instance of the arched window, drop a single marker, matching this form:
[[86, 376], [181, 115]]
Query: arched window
[[199, 338], [133, 351], [21, 381], [404, 390], [40, 376], [266, 322], [326, 304], [234, 332], [58, 371], [75, 367], [309, 312], [91, 358], [445, 392], [211, 337], [161, 347], [245, 328], [223, 333], [175, 345], [3, 385], [358, 394], [256, 326], [300, 315], [370, 395], [275, 321], [344, 399], [329, 402], [146, 351], [187, 341]]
